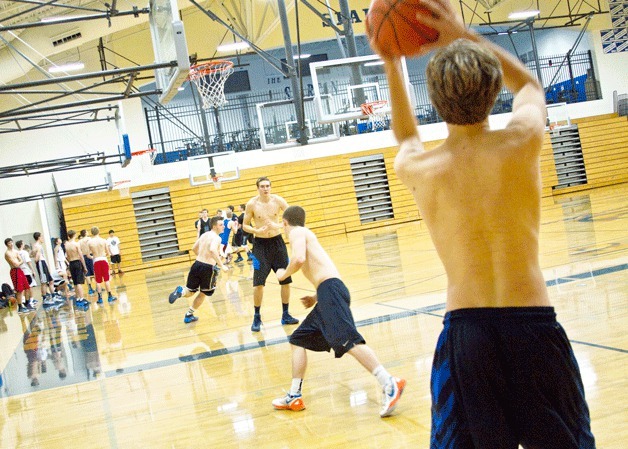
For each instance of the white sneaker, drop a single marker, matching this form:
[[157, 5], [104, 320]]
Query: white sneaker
[[390, 395]]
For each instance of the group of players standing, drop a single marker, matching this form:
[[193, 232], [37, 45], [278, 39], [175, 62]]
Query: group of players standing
[[80, 258]]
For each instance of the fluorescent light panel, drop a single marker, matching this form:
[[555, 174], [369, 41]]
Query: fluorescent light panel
[[523, 14], [373, 63], [303, 56], [234, 46], [66, 67]]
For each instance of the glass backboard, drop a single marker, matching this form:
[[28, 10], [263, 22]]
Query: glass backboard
[[169, 45]]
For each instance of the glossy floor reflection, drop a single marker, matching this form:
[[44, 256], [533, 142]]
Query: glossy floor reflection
[[131, 374]]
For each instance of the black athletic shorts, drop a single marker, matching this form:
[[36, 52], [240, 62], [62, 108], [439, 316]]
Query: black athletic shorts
[[115, 258], [330, 324], [89, 264], [504, 377], [76, 271], [203, 277], [271, 254]]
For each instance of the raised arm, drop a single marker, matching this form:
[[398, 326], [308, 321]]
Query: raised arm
[[528, 110]]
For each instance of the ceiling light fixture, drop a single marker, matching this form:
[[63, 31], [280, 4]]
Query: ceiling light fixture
[[303, 56], [373, 63], [519, 15], [70, 67], [233, 47]]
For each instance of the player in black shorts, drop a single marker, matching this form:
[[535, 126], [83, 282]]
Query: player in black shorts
[[202, 277], [269, 250], [504, 374], [330, 324]]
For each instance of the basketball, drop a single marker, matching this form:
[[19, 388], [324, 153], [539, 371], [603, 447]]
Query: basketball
[[392, 25]]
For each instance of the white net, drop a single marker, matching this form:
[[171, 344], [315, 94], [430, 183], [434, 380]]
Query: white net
[[217, 181], [376, 113], [210, 81]]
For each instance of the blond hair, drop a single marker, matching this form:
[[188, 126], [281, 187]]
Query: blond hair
[[463, 80]]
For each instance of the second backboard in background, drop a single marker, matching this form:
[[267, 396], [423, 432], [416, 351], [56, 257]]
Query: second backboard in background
[[342, 86]]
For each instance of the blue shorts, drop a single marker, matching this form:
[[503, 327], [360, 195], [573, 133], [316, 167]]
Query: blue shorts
[[504, 377], [89, 264], [330, 324]]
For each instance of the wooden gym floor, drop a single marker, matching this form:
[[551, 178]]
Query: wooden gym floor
[[133, 375]]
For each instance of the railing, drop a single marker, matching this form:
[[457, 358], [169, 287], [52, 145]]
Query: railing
[[177, 131]]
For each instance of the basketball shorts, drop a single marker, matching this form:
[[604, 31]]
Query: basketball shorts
[[115, 258], [43, 272], [504, 377], [201, 277], [20, 283], [89, 264], [271, 254], [101, 270], [76, 271], [330, 324]]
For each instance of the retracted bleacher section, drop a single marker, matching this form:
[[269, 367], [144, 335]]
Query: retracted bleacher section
[[325, 188]]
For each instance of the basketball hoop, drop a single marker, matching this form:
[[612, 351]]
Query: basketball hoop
[[123, 188], [146, 158], [210, 79], [217, 181], [376, 113]]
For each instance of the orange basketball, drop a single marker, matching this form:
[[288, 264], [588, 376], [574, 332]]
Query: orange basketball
[[392, 25]]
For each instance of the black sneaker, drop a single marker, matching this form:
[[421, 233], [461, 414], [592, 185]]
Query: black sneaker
[[23, 309], [257, 322], [286, 318]]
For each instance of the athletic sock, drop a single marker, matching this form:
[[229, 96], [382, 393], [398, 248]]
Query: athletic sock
[[285, 307], [295, 389], [190, 311], [257, 309], [382, 375]]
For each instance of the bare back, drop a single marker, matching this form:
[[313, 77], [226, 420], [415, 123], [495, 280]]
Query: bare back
[[318, 266], [84, 244], [480, 199], [73, 251], [98, 247]]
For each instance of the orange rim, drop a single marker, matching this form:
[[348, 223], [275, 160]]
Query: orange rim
[[139, 153], [367, 108], [207, 68]]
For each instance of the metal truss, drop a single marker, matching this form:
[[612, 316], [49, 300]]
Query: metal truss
[[43, 196], [61, 164], [56, 119], [553, 14]]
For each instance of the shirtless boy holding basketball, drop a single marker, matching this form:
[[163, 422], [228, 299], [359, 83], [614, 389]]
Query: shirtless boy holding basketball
[[504, 372]]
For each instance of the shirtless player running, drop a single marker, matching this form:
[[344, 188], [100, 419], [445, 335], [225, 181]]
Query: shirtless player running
[[202, 276], [330, 324], [269, 249]]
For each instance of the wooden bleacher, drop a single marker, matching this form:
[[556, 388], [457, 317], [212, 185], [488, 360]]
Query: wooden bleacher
[[324, 187]]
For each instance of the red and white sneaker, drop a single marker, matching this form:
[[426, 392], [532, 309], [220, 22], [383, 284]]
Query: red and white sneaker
[[391, 394], [294, 403]]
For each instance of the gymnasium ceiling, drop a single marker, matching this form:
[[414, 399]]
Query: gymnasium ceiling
[[120, 37]]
